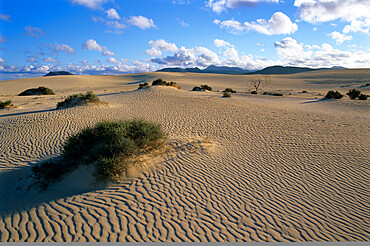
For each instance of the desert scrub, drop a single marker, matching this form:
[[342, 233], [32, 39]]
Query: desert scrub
[[353, 94], [6, 104], [79, 99], [229, 90], [143, 85], [226, 94], [37, 91], [202, 88], [165, 83], [110, 146], [363, 97], [333, 94]]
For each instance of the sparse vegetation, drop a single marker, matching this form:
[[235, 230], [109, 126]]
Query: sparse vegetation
[[79, 99], [272, 94], [363, 97], [202, 88], [165, 83], [37, 91], [143, 85], [229, 90], [6, 104], [257, 83], [227, 94], [333, 95], [353, 94], [110, 146]]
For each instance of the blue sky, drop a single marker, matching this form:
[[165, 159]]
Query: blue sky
[[129, 36]]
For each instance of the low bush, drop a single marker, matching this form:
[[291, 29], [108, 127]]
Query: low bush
[[108, 146], [272, 94], [165, 83], [37, 91], [333, 95], [229, 90], [143, 85], [363, 97], [227, 94], [353, 94], [253, 92], [79, 99], [202, 88], [6, 104]]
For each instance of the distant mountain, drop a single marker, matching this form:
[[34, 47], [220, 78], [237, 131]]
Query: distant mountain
[[58, 73], [338, 67], [282, 70], [210, 69]]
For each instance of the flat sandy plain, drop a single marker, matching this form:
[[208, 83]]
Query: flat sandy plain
[[245, 168]]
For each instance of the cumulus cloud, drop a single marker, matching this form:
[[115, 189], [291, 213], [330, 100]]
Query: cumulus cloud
[[294, 54], [2, 39], [358, 26], [221, 43], [339, 38], [64, 48], [91, 44], [112, 14], [5, 17], [2, 60], [324, 10], [33, 31], [92, 4], [222, 5], [160, 45], [141, 22], [112, 60], [278, 24]]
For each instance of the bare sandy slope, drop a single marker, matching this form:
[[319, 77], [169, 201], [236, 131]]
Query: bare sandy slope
[[246, 168]]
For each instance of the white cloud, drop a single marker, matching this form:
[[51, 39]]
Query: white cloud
[[2, 39], [33, 31], [358, 26], [329, 10], [183, 23], [162, 45], [2, 60], [278, 24], [112, 14], [92, 4], [294, 54], [112, 60], [339, 38], [221, 43], [5, 17], [91, 44], [221, 5], [64, 48], [153, 52], [180, 1], [50, 59], [141, 22]]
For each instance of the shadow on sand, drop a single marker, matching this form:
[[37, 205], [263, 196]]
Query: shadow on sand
[[29, 112]]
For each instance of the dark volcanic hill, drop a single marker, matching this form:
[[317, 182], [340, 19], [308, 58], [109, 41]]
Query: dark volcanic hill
[[58, 73], [282, 70], [210, 69]]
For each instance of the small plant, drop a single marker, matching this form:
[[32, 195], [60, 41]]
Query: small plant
[[333, 95], [253, 92], [143, 85], [256, 83], [110, 146], [37, 91], [229, 90], [353, 94], [79, 99], [227, 94], [165, 83], [196, 88], [363, 97], [6, 104], [206, 87], [272, 94]]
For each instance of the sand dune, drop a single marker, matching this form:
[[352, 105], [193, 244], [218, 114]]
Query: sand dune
[[246, 168]]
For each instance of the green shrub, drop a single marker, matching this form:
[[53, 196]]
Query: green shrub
[[109, 146], [79, 99], [6, 104], [229, 90], [197, 88], [143, 85], [206, 87], [363, 97], [37, 91], [227, 94], [165, 83], [353, 94], [333, 94], [253, 92]]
